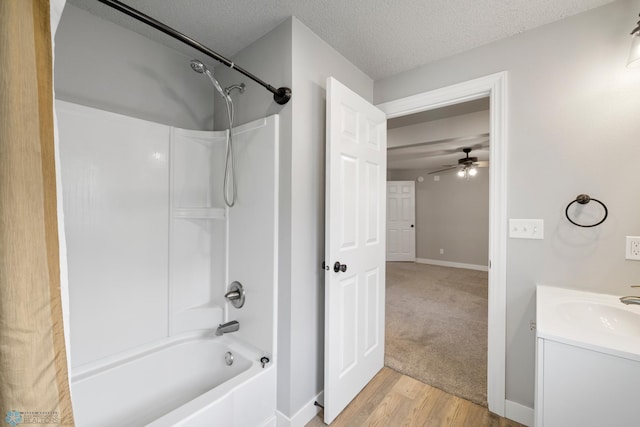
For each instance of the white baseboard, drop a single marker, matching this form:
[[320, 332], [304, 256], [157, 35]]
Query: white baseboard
[[271, 422], [303, 416], [452, 264], [519, 413]]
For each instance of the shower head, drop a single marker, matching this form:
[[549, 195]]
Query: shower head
[[229, 170], [199, 67]]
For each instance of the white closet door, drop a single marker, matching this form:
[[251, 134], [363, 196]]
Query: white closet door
[[401, 216]]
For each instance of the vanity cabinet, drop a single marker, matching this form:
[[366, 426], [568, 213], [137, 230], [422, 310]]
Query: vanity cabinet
[[583, 388]]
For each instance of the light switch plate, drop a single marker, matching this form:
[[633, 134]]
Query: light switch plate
[[526, 228]]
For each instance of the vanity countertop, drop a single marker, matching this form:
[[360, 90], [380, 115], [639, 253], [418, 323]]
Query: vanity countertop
[[590, 320]]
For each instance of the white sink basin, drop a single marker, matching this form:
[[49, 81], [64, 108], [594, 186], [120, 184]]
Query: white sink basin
[[601, 318], [590, 320]]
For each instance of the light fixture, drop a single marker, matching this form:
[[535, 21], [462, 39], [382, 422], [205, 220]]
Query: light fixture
[[634, 54], [468, 171]]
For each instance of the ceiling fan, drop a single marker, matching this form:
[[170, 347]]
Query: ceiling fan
[[467, 165]]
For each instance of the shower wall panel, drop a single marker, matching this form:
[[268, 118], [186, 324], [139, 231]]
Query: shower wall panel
[[146, 231], [198, 236], [151, 246], [115, 176], [253, 231]]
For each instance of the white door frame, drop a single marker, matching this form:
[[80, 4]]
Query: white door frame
[[494, 86]]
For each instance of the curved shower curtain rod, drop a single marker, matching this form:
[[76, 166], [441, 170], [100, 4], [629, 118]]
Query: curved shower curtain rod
[[281, 95]]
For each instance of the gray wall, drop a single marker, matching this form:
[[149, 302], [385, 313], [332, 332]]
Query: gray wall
[[102, 65], [572, 128], [313, 61], [452, 214], [292, 55]]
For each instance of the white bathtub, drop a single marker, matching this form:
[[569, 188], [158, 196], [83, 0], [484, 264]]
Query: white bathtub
[[180, 382]]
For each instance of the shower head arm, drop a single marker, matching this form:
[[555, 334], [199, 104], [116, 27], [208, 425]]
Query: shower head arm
[[281, 95], [240, 87]]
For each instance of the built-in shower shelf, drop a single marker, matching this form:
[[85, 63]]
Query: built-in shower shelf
[[199, 213]]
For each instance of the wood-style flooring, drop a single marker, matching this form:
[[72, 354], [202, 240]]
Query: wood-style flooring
[[392, 399]]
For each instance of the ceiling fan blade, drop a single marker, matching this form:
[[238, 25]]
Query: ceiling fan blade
[[480, 146], [443, 170], [482, 164], [457, 140]]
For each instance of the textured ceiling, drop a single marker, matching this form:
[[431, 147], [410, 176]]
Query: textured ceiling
[[439, 155], [381, 37]]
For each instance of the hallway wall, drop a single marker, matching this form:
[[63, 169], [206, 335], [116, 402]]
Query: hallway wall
[[451, 214]]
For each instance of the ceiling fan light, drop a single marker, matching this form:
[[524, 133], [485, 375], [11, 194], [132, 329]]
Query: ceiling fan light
[[462, 173], [473, 171]]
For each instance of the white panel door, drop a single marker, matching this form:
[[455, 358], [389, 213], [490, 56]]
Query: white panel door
[[401, 216], [355, 246]]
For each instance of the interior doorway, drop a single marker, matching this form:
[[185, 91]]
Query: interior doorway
[[492, 87], [437, 308]]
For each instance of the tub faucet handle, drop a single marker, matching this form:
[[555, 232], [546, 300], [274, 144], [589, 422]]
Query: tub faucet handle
[[231, 295], [235, 295]]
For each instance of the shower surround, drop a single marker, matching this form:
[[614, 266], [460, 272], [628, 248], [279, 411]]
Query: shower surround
[[152, 250]]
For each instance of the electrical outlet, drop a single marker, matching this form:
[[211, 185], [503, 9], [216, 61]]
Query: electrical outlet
[[441, 251], [633, 248]]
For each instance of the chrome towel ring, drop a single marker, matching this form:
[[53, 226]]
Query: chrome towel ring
[[583, 199]]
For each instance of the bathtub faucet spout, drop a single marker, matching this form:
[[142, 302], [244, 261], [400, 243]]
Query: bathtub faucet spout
[[225, 328]]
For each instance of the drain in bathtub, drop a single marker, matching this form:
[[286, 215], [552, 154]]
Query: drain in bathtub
[[228, 357]]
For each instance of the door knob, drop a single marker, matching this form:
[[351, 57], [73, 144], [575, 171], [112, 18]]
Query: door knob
[[411, 225], [337, 267]]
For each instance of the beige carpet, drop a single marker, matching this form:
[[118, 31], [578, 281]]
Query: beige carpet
[[436, 327]]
